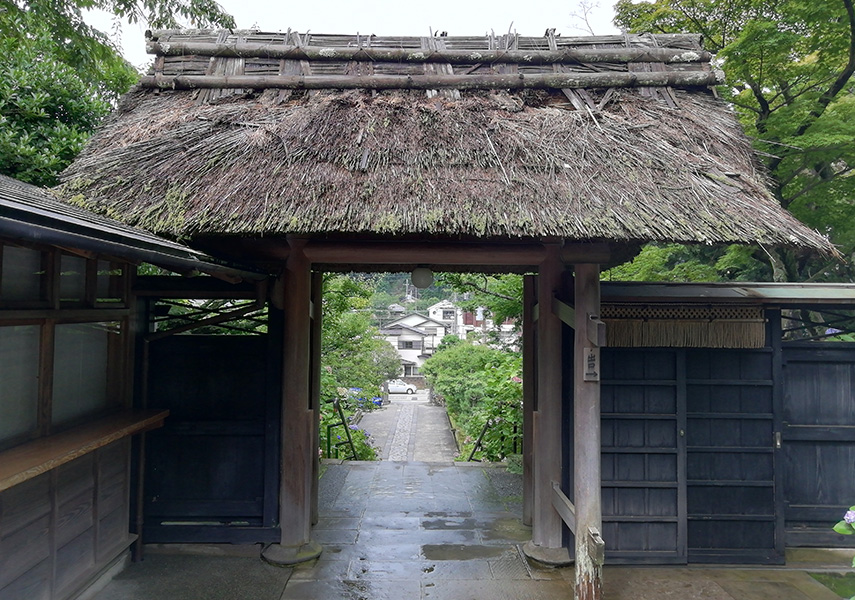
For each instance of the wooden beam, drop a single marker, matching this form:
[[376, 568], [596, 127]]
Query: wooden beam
[[586, 435], [608, 79], [168, 286], [564, 311], [546, 522], [317, 319], [297, 445], [71, 315], [418, 253], [449, 253], [565, 508], [573, 56], [580, 252], [529, 354]]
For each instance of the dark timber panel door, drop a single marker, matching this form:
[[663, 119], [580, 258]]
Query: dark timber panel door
[[818, 440], [212, 470], [643, 490], [731, 490]]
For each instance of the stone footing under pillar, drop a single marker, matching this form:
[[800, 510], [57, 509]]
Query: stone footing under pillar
[[553, 557], [284, 556]]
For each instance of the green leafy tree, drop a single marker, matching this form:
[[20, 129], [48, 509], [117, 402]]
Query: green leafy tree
[[354, 362], [789, 67], [501, 411], [681, 263], [48, 109], [87, 49], [350, 349], [59, 77], [501, 295], [481, 386], [455, 372]]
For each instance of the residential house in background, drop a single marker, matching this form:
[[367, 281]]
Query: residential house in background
[[463, 323], [416, 338]]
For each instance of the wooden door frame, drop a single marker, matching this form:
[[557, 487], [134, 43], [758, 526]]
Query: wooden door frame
[[550, 258]]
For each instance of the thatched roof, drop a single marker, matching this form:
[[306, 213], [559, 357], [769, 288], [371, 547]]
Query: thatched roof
[[499, 152]]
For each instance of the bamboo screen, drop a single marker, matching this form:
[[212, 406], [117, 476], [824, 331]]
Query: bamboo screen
[[680, 326]]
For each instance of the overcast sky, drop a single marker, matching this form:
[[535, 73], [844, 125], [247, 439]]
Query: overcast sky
[[388, 17]]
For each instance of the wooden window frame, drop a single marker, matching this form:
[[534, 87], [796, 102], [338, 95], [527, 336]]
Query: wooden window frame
[[52, 260], [50, 312], [118, 390], [47, 283]]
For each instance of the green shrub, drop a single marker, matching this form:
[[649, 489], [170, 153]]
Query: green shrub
[[480, 385]]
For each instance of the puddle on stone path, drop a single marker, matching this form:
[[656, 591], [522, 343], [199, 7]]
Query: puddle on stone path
[[507, 529], [461, 552], [449, 523]]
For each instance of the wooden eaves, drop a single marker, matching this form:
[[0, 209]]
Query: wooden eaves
[[33, 214]]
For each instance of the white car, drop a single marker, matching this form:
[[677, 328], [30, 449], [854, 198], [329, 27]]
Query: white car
[[399, 386]]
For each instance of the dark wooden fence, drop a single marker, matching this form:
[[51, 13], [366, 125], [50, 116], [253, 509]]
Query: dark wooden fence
[[818, 440], [689, 456]]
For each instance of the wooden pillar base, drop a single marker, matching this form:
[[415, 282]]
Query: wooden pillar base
[[552, 557], [284, 556]]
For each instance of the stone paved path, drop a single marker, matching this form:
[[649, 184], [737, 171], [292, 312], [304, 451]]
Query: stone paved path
[[410, 428], [428, 529]]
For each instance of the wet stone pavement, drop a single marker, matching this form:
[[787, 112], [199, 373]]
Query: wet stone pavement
[[432, 530], [420, 530]]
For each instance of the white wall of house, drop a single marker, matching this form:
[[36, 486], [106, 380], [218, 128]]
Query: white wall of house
[[449, 313], [416, 336]]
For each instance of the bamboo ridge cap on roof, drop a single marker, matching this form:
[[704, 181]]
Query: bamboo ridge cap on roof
[[450, 56], [517, 81]]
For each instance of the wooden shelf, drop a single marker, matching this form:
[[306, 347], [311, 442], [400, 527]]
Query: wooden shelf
[[31, 459]]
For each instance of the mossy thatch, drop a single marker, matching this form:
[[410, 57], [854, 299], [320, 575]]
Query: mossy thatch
[[484, 164]]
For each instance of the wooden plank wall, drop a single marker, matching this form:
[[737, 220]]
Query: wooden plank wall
[[60, 529], [818, 441], [214, 466], [689, 457], [644, 477]]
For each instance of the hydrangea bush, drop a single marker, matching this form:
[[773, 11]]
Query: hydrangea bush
[[846, 525]]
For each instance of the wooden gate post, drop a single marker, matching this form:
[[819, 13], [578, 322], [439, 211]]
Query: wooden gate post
[[589, 336], [547, 527], [529, 345], [298, 452], [315, 386]]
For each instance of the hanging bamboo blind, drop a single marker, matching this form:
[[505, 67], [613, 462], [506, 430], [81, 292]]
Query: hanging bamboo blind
[[680, 326]]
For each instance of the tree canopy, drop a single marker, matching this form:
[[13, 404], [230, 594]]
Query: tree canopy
[[789, 67], [59, 76], [352, 355]]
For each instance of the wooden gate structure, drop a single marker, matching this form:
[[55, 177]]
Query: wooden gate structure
[[302, 153]]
